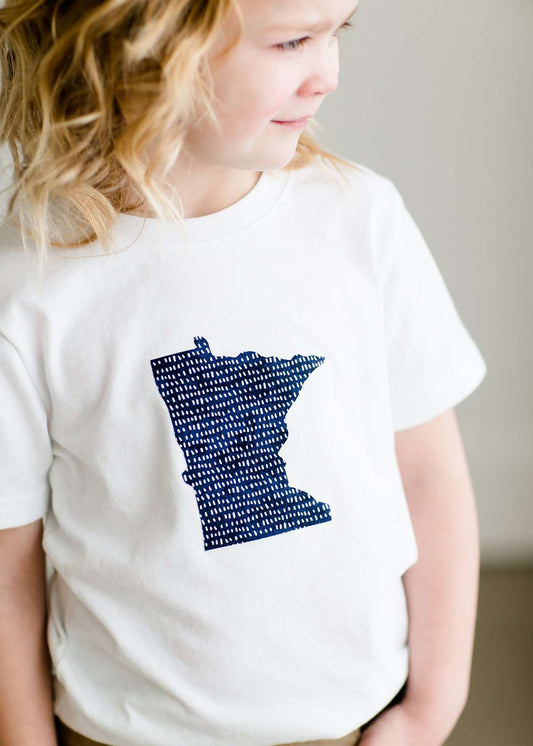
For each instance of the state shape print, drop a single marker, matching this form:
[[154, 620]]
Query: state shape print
[[228, 416]]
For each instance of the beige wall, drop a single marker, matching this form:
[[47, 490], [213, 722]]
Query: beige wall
[[438, 96]]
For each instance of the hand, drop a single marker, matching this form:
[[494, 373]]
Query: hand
[[409, 724]]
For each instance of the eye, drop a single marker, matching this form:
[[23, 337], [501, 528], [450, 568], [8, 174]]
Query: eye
[[290, 45], [345, 26], [296, 43]]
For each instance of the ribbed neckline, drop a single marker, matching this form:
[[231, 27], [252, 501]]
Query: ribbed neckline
[[217, 225]]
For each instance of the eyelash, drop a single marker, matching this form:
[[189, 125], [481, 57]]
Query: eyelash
[[300, 42]]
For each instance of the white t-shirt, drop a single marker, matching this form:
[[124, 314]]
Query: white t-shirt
[[208, 433]]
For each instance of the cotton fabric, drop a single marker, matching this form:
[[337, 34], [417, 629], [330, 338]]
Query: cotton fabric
[[207, 431]]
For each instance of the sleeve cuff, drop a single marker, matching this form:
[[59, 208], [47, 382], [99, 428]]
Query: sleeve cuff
[[22, 509], [457, 387]]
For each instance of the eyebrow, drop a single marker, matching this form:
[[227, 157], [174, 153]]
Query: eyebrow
[[295, 25]]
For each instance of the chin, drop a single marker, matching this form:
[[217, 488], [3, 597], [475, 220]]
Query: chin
[[281, 158]]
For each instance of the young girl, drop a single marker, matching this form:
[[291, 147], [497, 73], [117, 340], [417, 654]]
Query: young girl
[[227, 383]]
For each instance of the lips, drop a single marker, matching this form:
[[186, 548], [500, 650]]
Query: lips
[[298, 119]]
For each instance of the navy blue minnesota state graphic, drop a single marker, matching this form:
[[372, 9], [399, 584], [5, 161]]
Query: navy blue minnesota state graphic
[[228, 416]]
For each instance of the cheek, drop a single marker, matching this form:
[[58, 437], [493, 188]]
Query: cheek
[[255, 96]]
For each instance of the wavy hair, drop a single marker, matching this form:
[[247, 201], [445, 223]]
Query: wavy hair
[[86, 87]]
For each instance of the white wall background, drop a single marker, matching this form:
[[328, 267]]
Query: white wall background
[[438, 96]]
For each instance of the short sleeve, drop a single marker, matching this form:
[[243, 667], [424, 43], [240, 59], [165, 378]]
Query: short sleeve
[[433, 363], [25, 447]]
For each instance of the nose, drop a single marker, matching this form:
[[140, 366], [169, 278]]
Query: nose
[[324, 77]]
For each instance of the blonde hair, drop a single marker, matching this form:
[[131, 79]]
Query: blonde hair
[[86, 86]]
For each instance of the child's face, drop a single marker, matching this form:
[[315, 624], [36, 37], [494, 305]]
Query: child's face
[[258, 82]]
